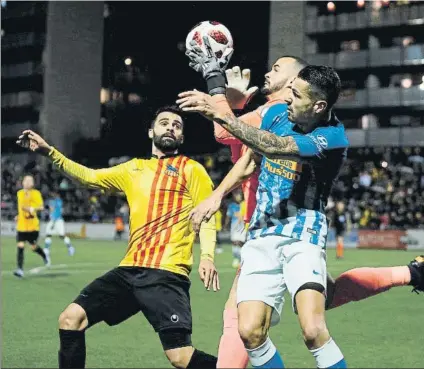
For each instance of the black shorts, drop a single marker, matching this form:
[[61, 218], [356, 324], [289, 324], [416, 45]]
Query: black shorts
[[30, 237], [163, 297], [340, 231]]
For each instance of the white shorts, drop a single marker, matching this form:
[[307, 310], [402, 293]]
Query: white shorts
[[238, 233], [272, 265], [56, 228]]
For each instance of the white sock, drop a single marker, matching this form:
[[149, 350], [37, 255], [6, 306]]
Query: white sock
[[47, 242], [236, 252], [262, 354], [67, 241], [327, 355]]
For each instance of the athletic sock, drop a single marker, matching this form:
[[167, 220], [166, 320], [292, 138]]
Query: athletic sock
[[20, 257], [265, 356], [67, 241], [231, 350], [202, 360], [72, 349], [47, 243], [236, 252], [329, 356], [38, 250], [360, 283]]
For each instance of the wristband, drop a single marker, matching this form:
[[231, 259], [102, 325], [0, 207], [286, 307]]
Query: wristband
[[216, 84]]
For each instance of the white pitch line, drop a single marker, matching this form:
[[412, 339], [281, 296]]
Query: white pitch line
[[53, 267]]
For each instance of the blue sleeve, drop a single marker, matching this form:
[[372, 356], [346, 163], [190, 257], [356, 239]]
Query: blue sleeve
[[272, 115], [230, 211], [59, 203], [321, 140]]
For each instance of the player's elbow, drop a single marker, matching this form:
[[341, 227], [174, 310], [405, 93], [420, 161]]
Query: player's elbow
[[271, 152], [223, 138], [276, 153]]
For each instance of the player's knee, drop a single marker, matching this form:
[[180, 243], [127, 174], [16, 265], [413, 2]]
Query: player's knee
[[180, 357], [252, 334], [20, 245], [314, 331], [73, 317]]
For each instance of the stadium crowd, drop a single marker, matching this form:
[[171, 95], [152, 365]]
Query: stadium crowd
[[382, 188]]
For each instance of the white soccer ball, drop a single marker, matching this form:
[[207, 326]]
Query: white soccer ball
[[219, 36]]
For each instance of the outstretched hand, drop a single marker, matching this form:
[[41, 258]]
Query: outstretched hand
[[238, 92], [34, 142], [204, 211], [199, 102]]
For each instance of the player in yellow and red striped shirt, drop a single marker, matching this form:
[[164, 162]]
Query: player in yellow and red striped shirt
[[153, 275]]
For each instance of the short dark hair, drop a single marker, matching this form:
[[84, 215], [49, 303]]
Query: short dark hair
[[169, 109], [324, 80], [301, 62]]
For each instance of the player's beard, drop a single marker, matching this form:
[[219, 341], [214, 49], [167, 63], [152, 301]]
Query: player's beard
[[165, 144], [268, 89]]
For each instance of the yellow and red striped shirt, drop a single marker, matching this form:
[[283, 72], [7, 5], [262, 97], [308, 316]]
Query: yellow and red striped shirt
[[160, 193], [28, 222]]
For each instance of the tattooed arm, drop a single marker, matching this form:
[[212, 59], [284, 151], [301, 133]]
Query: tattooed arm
[[259, 140], [263, 142]]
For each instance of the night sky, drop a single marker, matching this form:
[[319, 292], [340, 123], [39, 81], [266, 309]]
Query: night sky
[[149, 33]]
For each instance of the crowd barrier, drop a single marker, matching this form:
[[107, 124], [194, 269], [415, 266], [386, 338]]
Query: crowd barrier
[[412, 239]]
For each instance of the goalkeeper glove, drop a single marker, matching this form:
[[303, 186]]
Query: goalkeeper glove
[[211, 67]]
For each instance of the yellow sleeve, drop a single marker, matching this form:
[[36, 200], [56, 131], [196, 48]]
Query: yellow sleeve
[[200, 187], [38, 200], [113, 178]]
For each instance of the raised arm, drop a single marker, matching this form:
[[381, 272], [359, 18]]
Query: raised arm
[[259, 140], [263, 142], [107, 179], [237, 96]]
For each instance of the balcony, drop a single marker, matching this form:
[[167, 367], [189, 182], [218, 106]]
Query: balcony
[[367, 19], [382, 57], [382, 97]]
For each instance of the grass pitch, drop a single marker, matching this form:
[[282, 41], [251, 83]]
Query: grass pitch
[[381, 332]]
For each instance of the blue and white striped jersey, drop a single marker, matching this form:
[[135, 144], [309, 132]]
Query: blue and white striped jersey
[[293, 192], [56, 208]]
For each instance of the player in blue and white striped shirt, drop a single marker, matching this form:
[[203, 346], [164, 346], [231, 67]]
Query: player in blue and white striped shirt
[[304, 146], [56, 225]]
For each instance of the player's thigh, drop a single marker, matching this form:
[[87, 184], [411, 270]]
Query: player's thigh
[[304, 267], [261, 276], [310, 306], [164, 299], [108, 298], [60, 227], [33, 238], [50, 228], [30, 237], [20, 239]]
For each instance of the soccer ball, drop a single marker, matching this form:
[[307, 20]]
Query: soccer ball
[[219, 36]]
